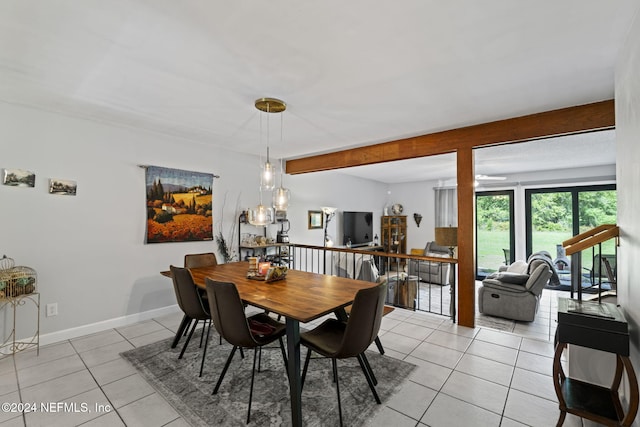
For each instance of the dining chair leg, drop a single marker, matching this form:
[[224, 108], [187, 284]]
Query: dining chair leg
[[366, 363], [224, 370], [335, 377], [241, 353], [304, 370], [204, 326], [186, 343], [369, 381], [253, 374], [206, 342], [182, 329], [379, 345]]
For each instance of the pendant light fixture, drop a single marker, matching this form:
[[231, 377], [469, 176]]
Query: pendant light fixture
[[281, 195], [262, 215], [269, 105]]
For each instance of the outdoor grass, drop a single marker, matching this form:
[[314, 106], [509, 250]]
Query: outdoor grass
[[491, 243]]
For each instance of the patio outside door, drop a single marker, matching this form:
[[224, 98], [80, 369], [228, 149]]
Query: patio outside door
[[557, 214], [495, 232]]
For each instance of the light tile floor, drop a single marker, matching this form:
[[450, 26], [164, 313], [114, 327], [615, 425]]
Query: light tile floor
[[480, 376]]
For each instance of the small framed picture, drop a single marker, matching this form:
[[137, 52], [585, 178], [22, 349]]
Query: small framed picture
[[62, 187], [19, 178], [315, 219]]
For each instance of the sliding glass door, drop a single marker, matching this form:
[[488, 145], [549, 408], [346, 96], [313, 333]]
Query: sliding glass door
[[550, 219], [557, 214], [494, 231]]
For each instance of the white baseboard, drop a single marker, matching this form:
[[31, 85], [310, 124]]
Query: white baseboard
[[117, 322]]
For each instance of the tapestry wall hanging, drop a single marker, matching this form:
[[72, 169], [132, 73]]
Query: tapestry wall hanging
[[179, 205]]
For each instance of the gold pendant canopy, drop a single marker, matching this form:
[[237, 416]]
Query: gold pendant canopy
[[270, 105]]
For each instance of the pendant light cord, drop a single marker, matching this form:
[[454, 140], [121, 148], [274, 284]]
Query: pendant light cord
[[281, 145], [268, 132]]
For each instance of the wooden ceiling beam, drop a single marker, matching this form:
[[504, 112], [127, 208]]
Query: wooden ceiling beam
[[582, 118]]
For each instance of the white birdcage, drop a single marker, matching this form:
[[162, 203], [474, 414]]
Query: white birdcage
[[16, 281]]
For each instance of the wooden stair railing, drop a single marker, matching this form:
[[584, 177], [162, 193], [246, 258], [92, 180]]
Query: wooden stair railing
[[586, 240], [590, 238]]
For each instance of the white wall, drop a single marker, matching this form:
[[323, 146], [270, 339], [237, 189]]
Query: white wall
[[416, 197], [88, 250], [628, 175], [592, 365], [334, 189]]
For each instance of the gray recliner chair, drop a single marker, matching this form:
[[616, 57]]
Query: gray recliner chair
[[515, 293], [438, 273]]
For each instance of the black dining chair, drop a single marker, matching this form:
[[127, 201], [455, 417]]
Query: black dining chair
[[191, 303], [206, 259], [229, 319], [336, 339]]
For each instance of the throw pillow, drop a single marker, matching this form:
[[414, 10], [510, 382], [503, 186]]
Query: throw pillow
[[518, 267]]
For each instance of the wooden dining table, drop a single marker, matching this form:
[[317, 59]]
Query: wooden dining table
[[300, 297]]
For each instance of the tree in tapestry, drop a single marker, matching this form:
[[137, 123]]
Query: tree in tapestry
[[179, 205]]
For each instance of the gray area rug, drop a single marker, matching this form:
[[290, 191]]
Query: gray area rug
[[178, 381], [497, 323]]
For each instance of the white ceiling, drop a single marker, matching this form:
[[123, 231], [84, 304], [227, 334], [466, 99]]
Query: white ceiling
[[352, 73]]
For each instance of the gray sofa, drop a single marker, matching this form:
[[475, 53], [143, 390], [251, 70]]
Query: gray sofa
[[515, 293], [439, 273]]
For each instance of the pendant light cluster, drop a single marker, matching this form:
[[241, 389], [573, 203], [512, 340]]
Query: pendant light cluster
[[262, 215]]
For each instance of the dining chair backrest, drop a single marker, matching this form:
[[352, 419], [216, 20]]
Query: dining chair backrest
[[227, 313], [187, 294], [364, 321], [200, 260]]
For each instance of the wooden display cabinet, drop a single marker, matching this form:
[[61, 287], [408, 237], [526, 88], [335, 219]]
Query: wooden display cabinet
[[394, 234]]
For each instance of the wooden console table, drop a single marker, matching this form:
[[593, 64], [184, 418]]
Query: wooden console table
[[600, 326]]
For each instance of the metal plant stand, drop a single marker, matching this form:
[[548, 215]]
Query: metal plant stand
[[18, 289], [12, 344]]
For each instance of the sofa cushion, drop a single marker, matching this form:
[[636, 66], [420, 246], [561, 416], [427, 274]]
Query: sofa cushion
[[505, 286], [433, 248], [509, 277], [424, 267], [539, 278]]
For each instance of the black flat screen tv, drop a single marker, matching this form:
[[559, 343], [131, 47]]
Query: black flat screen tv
[[357, 227]]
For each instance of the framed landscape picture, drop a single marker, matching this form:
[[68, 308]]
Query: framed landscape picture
[[19, 178], [315, 219], [179, 205], [62, 187]]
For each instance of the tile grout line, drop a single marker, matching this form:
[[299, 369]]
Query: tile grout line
[[99, 386], [150, 394]]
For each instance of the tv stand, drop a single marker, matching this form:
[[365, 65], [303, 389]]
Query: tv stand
[[360, 245]]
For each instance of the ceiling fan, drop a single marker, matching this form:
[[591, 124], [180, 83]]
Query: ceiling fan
[[490, 178]]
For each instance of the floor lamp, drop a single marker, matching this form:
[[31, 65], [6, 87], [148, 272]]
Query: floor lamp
[[328, 213], [447, 236]]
